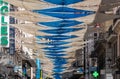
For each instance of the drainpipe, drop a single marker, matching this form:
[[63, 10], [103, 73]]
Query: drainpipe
[[118, 42]]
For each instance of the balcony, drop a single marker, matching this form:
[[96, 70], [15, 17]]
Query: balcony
[[118, 62], [111, 36], [116, 24]]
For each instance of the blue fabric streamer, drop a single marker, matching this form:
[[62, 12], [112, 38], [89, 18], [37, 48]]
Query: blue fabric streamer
[[57, 37], [61, 24], [64, 12], [61, 30]]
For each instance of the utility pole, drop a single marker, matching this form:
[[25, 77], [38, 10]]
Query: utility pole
[[85, 61], [85, 56]]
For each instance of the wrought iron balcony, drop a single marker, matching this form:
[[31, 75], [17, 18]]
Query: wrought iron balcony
[[118, 62], [111, 34]]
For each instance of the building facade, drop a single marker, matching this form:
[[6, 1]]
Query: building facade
[[107, 49]]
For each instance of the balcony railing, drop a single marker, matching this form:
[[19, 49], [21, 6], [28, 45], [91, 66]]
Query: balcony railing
[[118, 62], [110, 35]]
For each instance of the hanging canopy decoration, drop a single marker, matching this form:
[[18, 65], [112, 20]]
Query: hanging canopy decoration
[[61, 32], [91, 5], [61, 23], [56, 43], [56, 48], [29, 5], [58, 37], [56, 54], [64, 12], [30, 16]]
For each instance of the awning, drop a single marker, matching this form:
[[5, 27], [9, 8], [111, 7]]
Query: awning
[[108, 6], [76, 43], [87, 19], [68, 39], [101, 17], [31, 31], [92, 5], [29, 26], [33, 46], [31, 16], [72, 49], [79, 33], [109, 1], [75, 39], [104, 6], [31, 39], [27, 4]]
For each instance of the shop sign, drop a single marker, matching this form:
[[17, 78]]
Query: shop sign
[[4, 24]]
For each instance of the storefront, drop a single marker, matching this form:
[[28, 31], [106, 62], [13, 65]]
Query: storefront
[[28, 67]]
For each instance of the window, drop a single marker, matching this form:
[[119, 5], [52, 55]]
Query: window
[[95, 36], [12, 20]]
